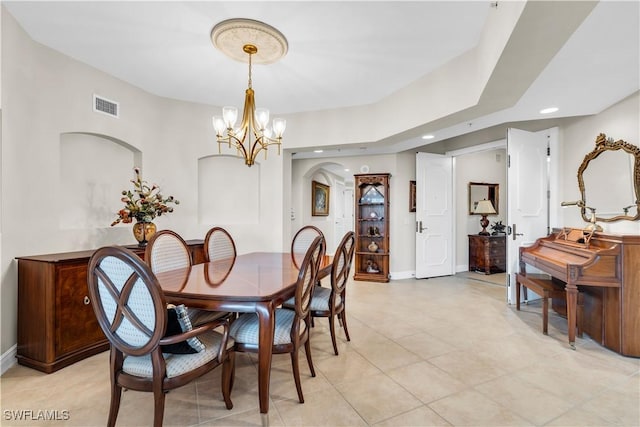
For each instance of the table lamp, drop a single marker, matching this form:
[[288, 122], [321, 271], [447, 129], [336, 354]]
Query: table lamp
[[484, 208]]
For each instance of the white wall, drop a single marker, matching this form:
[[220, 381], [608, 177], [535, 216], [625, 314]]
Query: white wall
[[47, 95], [402, 222], [485, 166], [620, 121]]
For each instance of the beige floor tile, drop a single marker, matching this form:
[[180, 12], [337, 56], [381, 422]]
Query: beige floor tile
[[471, 408], [467, 367], [573, 375], [425, 345], [443, 351], [387, 355], [377, 397], [321, 408], [422, 416], [528, 401], [426, 382], [619, 405], [251, 418], [578, 417], [348, 366]]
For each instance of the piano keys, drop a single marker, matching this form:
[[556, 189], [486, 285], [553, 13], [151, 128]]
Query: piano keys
[[605, 268]]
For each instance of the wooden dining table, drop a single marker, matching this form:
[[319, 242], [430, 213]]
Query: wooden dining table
[[255, 283]]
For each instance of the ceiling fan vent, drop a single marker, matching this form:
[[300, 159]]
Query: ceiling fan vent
[[105, 106]]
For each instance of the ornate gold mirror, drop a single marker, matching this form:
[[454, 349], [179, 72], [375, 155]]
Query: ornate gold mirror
[[482, 191], [609, 181]]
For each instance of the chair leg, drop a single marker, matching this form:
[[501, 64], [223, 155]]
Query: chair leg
[[332, 329], [158, 415], [116, 394], [228, 374], [545, 313], [307, 350], [296, 374], [343, 317]]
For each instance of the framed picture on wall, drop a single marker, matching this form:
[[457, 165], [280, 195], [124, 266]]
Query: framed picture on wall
[[412, 196], [319, 199]]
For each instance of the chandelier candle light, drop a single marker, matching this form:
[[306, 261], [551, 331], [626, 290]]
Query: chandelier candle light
[[254, 133]]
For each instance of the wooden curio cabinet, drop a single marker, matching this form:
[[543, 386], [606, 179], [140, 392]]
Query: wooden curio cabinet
[[372, 227]]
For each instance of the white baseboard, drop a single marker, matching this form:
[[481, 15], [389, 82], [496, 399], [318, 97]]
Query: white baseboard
[[461, 268], [8, 359], [399, 275]]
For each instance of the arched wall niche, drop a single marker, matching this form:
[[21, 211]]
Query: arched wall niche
[[332, 226], [228, 191], [94, 169]]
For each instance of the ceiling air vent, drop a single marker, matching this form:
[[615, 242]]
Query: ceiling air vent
[[105, 106]]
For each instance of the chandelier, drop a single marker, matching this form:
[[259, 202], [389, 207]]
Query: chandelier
[[254, 133]]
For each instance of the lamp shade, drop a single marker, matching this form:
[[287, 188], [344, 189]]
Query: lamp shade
[[484, 207]]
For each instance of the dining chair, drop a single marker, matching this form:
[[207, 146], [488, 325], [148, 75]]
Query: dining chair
[[302, 241], [331, 303], [132, 312], [219, 245], [167, 250], [291, 326]]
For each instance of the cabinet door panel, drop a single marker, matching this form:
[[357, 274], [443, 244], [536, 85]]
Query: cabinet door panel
[[76, 323]]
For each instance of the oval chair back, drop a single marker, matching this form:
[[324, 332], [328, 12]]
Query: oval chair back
[[166, 250], [219, 245], [302, 241], [331, 303], [132, 312]]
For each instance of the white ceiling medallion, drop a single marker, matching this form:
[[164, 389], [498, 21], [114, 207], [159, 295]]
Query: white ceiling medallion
[[232, 35]]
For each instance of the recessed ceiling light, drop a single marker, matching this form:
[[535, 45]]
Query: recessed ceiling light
[[427, 137], [549, 110], [346, 170], [318, 151]]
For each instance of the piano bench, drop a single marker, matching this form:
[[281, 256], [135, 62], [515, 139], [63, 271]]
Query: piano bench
[[542, 285]]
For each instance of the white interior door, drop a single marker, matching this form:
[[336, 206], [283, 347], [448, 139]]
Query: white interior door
[[528, 192], [434, 215]]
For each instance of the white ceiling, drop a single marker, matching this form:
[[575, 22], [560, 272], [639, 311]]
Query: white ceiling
[[345, 53]]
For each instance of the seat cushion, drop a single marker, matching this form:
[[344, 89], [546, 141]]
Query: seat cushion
[[319, 301], [244, 329], [178, 364]]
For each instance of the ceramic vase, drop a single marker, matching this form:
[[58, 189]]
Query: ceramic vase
[[143, 231]]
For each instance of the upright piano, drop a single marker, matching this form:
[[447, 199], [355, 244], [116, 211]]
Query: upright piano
[[605, 269]]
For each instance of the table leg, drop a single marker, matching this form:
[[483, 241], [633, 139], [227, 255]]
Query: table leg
[[266, 320], [572, 304]]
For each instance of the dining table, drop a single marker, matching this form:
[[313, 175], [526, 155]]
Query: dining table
[[256, 282]]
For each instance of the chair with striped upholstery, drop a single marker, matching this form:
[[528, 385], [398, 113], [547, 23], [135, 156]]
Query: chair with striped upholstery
[[291, 326], [219, 245], [331, 302], [132, 312], [301, 242], [167, 250]]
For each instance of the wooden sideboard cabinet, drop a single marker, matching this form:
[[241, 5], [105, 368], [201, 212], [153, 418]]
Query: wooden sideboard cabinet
[[487, 253], [56, 322]]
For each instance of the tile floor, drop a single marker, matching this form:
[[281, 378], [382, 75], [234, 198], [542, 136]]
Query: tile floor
[[436, 352]]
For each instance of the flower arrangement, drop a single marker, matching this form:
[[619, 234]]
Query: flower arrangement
[[144, 203]]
